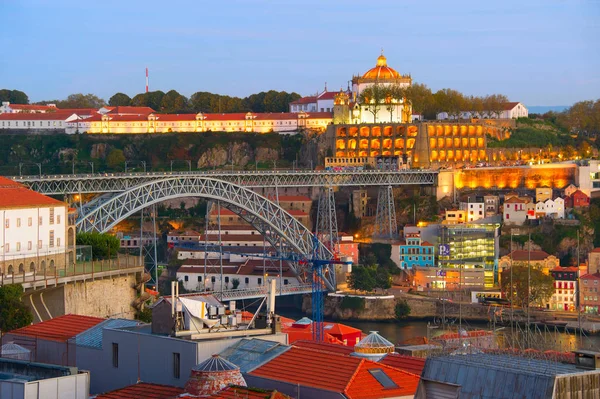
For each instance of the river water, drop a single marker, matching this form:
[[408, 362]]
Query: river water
[[541, 339]]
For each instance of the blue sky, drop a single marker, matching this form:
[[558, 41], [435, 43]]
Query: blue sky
[[540, 52]]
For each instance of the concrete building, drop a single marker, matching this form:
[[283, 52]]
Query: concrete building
[[566, 280], [589, 295], [542, 194], [50, 341], [515, 211], [578, 199], [536, 259], [471, 247], [178, 236], [588, 178], [492, 205], [455, 216], [504, 376], [510, 110], [360, 200], [413, 253], [37, 233], [594, 261], [451, 279], [322, 102], [27, 380], [35, 121], [474, 208]]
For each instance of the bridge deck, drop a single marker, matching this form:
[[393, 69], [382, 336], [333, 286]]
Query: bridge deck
[[119, 182], [82, 271], [259, 292]]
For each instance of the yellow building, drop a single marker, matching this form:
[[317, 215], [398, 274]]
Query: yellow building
[[455, 216], [542, 194]]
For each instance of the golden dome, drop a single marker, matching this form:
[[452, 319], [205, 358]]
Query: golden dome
[[381, 70]]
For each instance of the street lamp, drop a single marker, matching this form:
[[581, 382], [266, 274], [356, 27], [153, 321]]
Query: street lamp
[[92, 165]]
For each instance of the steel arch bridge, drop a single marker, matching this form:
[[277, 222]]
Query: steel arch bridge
[[267, 217], [119, 182]]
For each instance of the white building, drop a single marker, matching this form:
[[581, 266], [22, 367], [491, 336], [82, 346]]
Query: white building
[[589, 178], [39, 121], [37, 232], [515, 211], [8, 108], [475, 210], [510, 110], [322, 102]]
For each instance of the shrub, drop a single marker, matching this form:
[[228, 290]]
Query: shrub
[[402, 309]]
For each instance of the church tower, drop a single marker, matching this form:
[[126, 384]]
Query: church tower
[[341, 108]]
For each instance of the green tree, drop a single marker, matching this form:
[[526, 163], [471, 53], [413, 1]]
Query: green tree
[[13, 96], [103, 245], [420, 97], [151, 99], [119, 99], [449, 101], [173, 103], [13, 312], [542, 286], [373, 98], [115, 158], [362, 279], [402, 309], [235, 283], [383, 279], [494, 104], [80, 100]]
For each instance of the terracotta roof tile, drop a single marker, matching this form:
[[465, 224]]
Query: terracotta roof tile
[[347, 375], [26, 116], [410, 364], [143, 390], [122, 110], [305, 100], [14, 195], [521, 255], [595, 276], [327, 95], [325, 347], [60, 328], [32, 107], [248, 393], [175, 117]]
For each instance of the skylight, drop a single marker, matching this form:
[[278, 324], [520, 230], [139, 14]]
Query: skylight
[[383, 378]]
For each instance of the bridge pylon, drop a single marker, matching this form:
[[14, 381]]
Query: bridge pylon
[[326, 224], [386, 225]]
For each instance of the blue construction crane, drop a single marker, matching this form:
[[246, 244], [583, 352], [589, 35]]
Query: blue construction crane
[[317, 272]]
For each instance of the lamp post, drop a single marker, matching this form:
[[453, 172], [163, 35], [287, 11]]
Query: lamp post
[[92, 165]]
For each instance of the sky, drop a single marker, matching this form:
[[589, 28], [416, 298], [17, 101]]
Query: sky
[[539, 52]]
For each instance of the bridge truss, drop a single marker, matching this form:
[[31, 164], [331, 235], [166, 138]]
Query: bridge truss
[[120, 182], [267, 217]]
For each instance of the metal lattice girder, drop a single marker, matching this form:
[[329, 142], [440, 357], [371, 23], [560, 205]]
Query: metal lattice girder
[[386, 225], [266, 216], [119, 182], [327, 228]]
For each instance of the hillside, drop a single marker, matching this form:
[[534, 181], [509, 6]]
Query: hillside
[[56, 153], [534, 133]]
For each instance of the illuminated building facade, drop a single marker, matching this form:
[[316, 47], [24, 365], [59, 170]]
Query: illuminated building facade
[[471, 247], [284, 122], [413, 253], [565, 288]]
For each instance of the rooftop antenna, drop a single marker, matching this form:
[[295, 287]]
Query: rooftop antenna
[[146, 79]]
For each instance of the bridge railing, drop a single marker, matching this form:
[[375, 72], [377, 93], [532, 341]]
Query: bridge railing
[[258, 292], [53, 272]]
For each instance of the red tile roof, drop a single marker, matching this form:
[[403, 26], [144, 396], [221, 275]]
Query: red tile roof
[[175, 117], [305, 100], [522, 255], [510, 105], [565, 269], [123, 110], [225, 117], [14, 195], [327, 95], [143, 390], [26, 116], [347, 375], [268, 116], [286, 198], [60, 328], [411, 364], [596, 250], [319, 115], [426, 244], [325, 347], [233, 392], [595, 276]]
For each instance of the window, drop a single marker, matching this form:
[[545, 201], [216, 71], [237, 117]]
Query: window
[[58, 241], [185, 278], [383, 378], [286, 282], [40, 221], [115, 355], [18, 246], [247, 280], [259, 280], [29, 245], [199, 279], [29, 222], [227, 279], [6, 223], [18, 222], [39, 244], [176, 365], [51, 215], [212, 279], [57, 219], [51, 239]]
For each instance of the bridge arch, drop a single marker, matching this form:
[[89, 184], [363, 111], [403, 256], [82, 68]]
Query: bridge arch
[[266, 216]]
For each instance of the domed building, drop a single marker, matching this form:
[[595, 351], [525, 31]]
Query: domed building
[[386, 109], [373, 347], [212, 376]]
